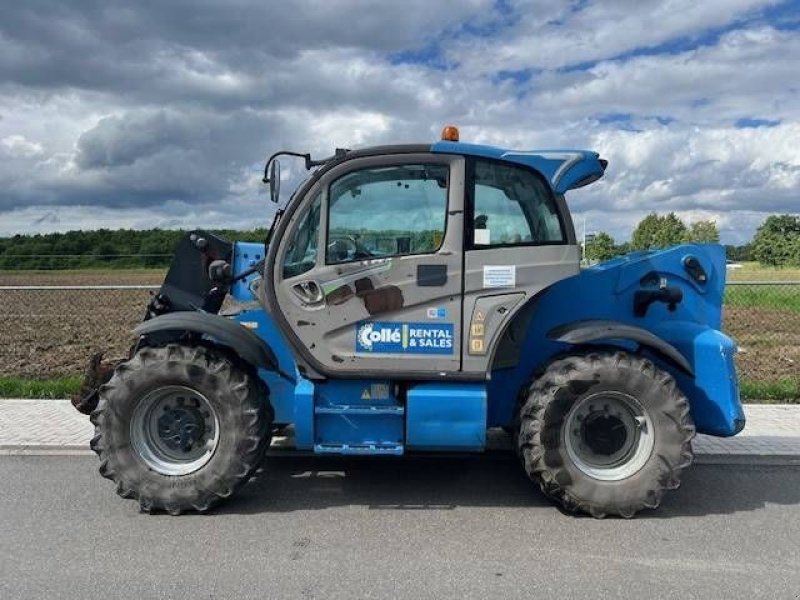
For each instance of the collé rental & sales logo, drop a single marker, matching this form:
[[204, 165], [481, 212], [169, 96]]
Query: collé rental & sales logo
[[389, 337]]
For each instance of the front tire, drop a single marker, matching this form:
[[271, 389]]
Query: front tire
[[181, 427], [605, 433]]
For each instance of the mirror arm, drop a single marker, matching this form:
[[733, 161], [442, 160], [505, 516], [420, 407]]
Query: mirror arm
[[310, 163], [265, 179]]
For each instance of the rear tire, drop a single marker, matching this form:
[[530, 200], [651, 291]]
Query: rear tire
[[181, 427], [605, 433]]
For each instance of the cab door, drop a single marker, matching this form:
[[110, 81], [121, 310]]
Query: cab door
[[367, 273], [519, 240]]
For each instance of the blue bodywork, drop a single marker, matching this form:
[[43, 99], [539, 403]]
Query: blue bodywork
[[366, 416], [384, 417], [606, 291]]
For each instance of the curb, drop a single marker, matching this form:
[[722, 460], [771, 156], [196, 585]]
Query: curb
[[761, 460], [280, 451], [53, 450]]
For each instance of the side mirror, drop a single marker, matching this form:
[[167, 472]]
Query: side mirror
[[275, 180]]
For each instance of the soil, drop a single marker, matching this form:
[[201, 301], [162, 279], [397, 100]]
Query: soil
[[50, 333], [769, 342]]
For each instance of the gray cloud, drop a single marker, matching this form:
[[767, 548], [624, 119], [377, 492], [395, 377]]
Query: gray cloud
[[162, 113]]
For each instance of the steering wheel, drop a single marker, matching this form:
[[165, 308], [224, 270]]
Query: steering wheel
[[345, 248]]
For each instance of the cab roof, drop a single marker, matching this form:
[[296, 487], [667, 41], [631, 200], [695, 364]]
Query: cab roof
[[563, 169]]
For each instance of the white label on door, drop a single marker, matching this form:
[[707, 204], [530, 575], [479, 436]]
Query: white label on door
[[499, 276], [482, 237]]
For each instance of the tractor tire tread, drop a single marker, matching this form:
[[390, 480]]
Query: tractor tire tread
[[538, 397], [188, 363]]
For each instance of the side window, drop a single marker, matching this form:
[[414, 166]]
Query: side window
[[387, 211], [301, 252], [512, 206]]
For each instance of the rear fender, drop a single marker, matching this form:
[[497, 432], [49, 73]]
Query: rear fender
[[584, 332], [700, 359], [713, 392]]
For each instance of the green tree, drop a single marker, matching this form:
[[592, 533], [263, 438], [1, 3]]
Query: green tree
[[702, 232], [645, 233], [86, 249], [777, 241], [658, 232], [739, 253], [601, 247]]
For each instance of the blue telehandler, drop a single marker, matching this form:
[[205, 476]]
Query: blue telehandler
[[407, 299]]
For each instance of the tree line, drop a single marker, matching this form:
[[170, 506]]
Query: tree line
[[101, 248], [775, 243]]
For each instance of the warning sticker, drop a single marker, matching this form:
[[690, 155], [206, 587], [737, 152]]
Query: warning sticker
[[376, 391]]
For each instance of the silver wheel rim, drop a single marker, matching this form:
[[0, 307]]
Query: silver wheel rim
[[174, 430], [609, 435]]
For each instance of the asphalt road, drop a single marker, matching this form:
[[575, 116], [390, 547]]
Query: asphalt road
[[432, 528]]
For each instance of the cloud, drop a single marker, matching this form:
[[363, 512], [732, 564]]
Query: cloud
[[17, 146], [553, 35], [162, 113]]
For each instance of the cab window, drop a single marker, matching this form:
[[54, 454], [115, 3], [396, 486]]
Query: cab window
[[512, 206], [301, 252], [387, 211]]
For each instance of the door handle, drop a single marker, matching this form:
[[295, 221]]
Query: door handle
[[309, 291]]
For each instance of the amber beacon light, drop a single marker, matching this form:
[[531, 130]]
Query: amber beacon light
[[450, 133]]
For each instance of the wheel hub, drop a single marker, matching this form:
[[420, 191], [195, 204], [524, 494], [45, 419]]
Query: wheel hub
[[604, 434], [608, 435], [174, 430], [181, 427]]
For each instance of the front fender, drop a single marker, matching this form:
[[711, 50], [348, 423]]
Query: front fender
[[244, 342]]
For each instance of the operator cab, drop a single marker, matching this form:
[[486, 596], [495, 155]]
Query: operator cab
[[411, 261]]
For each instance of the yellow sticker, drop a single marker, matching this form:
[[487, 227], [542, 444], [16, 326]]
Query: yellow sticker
[[476, 345]]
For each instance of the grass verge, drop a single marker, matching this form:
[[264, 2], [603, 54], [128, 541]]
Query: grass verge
[[779, 297], [753, 392], [18, 387], [782, 391]]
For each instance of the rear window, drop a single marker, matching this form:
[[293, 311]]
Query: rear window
[[512, 206]]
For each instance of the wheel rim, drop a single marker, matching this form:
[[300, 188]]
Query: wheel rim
[[174, 430], [609, 435]]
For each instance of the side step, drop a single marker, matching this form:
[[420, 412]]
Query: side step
[[364, 417], [361, 418]]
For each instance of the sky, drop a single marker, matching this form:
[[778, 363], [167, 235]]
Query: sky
[[161, 114]]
